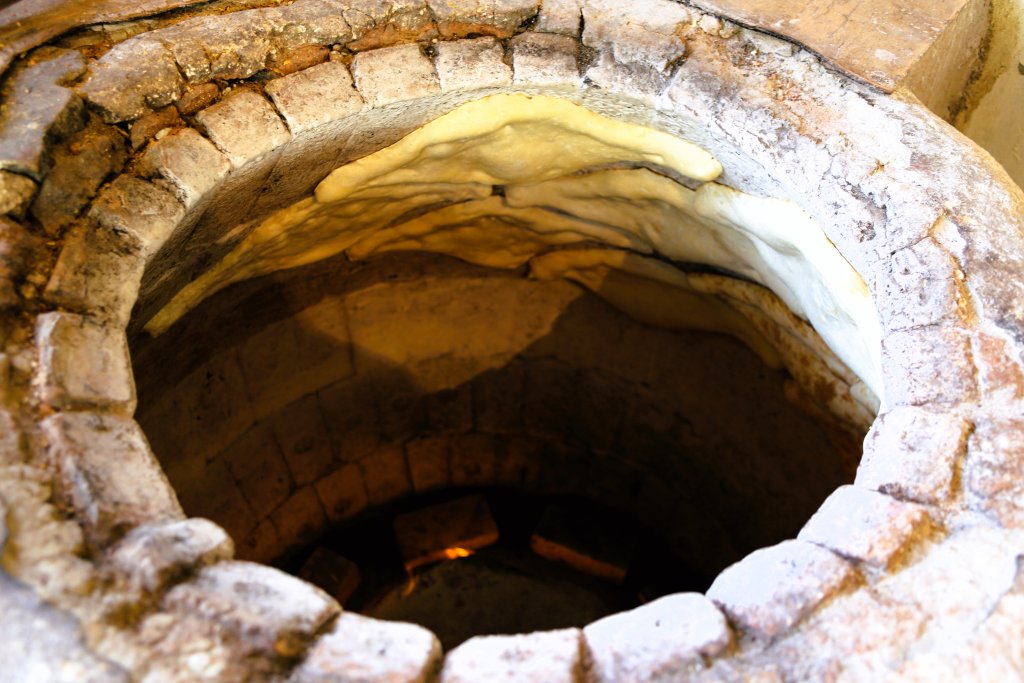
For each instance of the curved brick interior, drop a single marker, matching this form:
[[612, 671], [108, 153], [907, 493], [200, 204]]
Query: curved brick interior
[[141, 149]]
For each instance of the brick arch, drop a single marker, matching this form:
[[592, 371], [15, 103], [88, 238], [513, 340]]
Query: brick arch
[[932, 227]]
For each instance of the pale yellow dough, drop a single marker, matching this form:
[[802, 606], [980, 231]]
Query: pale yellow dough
[[432, 190]]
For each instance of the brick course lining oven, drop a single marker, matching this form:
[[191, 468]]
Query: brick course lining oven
[[919, 552]]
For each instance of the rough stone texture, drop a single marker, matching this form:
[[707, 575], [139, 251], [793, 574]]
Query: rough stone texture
[[19, 250], [151, 125], [47, 644], [271, 613], [477, 63], [377, 74], [913, 454], [545, 59], [132, 79], [644, 33], [846, 37], [16, 193], [550, 656], [83, 364], [994, 470], [660, 641], [256, 463], [343, 493], [197, 97], [500, 18], [934, 364], [98, 272], [107, 474], [361, 649], [37, 109], [386, 475], [152, 556], [866, 526], [772, 589], [296, 356], [187, 164], [244, 126], [378, 23], [139, 211], [560, 16], [315, 96], [81, 164]]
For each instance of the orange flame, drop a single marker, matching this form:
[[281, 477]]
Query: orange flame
[[455, 553]]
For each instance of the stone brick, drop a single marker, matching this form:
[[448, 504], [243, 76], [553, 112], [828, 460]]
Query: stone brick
[[645, 32], [378, 23], [295, 356], [48, 645], [913, 454], [590, 543], [290, 60], [38, 110], [300, 519], [244, 126], [300, 430], [262, 544], [106, 473], [20, 254], [272, 614], [386, 475], [392, 74], [352, 420], [16, 193], [473, 460], [256, 463], [80, 165], [358, 648], [500, 18], [518, 461], [83, 364], [772, 589], [918, 287], [152, 556], [196, 97], [139, 210], [450, 411], [550, 656], [468, 64], [207, 489], [545, 59], [145, 129], [98, 272], [1000, 376], [928, 366], [560, 16], [131, 79], [428, 463], [315, 96], [186, 163], [343, 493], [662, 640], [204, 413], [994, 470], [866, 526], [227, 47]]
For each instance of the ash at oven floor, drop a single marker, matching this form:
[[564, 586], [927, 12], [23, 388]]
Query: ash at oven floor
[[498, 590], [510, 563]]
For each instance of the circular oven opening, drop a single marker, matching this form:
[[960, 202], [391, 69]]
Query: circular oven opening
[[545, 443]]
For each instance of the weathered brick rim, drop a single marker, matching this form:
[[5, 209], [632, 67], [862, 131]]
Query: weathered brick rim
[[991, 320]]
